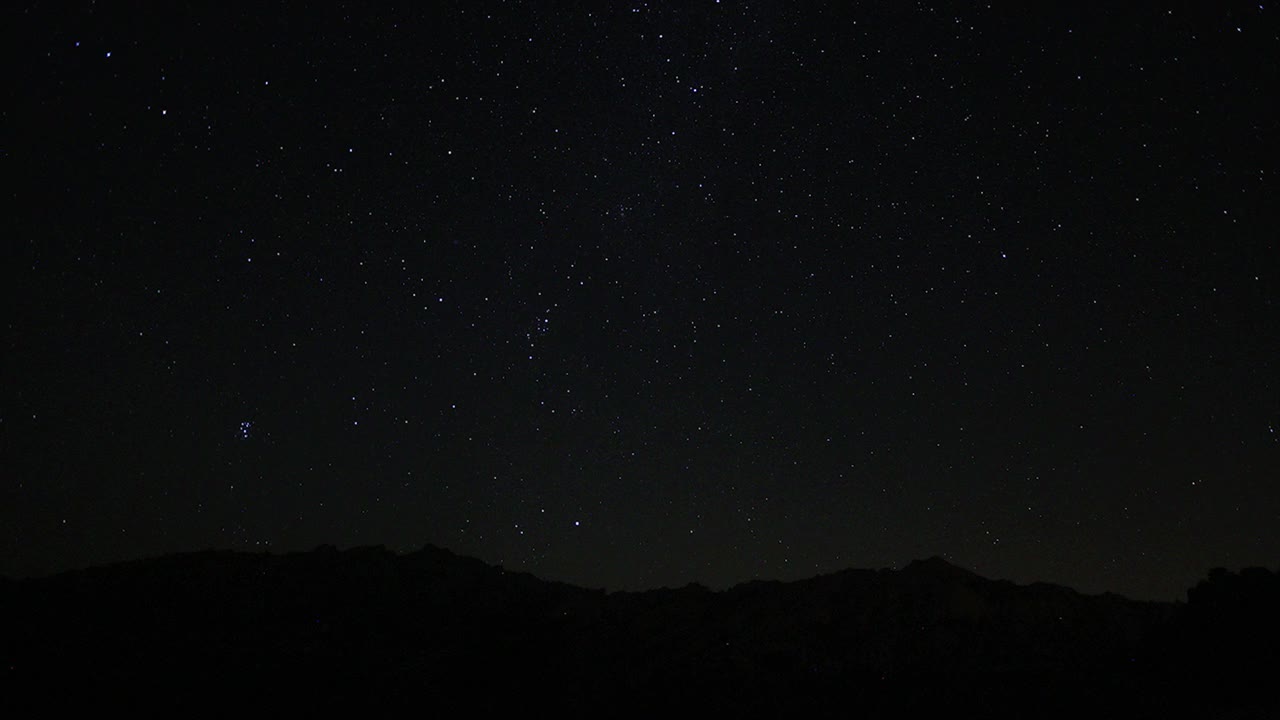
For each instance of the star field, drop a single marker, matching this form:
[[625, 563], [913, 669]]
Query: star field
[[642, 294]]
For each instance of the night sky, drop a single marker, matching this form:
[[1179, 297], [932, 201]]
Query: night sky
[[638, 294]]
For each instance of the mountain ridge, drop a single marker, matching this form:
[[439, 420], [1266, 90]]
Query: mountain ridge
[[934, 566], [369, 627]]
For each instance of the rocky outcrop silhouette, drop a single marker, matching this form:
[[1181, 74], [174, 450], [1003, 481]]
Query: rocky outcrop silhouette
[[371, 631]]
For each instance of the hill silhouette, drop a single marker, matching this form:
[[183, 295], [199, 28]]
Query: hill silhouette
[[371, 631]]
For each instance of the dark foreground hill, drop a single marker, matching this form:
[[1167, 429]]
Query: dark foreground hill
[[432, 634]]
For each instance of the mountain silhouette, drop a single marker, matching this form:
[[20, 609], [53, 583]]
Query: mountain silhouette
[[371, 631], [937, 567]]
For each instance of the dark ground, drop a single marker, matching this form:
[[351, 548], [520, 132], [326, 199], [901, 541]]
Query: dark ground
[[369, 631]]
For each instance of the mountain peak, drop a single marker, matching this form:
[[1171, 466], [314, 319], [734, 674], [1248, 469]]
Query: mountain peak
[[936, 566]]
